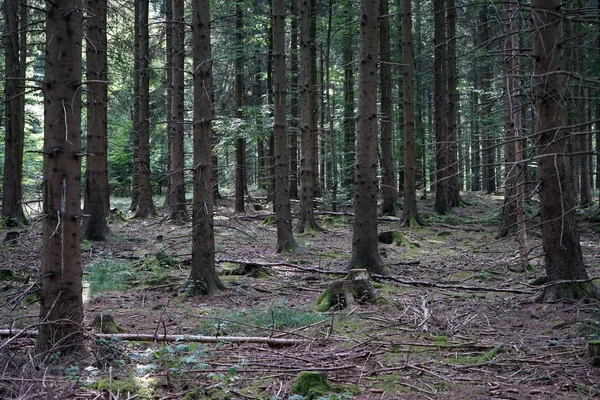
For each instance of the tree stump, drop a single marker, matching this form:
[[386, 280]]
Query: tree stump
[[105, 323], [356, 284], [12, 238], [594, 352]]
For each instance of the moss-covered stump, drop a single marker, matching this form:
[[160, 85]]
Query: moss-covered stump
[[105, 323], [6, 274], [594, 351], [252, 270], [12, 238], [356, 284], [312, 385], [397, 238], [569, 291]]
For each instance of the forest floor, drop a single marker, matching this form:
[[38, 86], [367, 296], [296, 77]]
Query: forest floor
[[459, 322]]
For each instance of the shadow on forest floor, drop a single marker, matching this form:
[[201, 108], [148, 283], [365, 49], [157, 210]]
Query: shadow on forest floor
[[415, 342]]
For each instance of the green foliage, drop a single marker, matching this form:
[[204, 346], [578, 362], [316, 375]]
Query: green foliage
[[314, 385], [229, 322], [109, 275]]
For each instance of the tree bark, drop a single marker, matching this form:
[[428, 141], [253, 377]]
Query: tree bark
[[442, 201], [562, 252], [388, 175], [365, 254], [306, 217], [61, 305], [145, 206], [349, 124], [94, 226], [240, 154], [453, 103], [203, 279], [14, 128], [513, 211], [285, 236], [294, 102], [177, 202], [410, 214]]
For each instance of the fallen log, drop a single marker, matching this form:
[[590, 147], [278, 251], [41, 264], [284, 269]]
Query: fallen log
[[142, 337]]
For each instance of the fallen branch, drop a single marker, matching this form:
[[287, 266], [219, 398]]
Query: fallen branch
[[140, 337], [451, 287], [280, 264]]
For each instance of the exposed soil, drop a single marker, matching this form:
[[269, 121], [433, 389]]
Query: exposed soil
[[460, 340]]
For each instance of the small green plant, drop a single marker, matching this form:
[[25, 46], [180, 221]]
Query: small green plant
[[109, 275], [72, 373]]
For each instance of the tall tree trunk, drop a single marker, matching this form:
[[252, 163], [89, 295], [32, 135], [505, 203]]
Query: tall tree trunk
[[285, 236], [203, 279], [388, 175], [135, 116], [169, 86], [489, 170], [94, 225], [145, 206], [314, 129], [410, 214], [475, 134], [61, 305], [513, 211], [240, 154], [294, 102], [453, 103], [349, 125], [269, 156], [306, 217], [562, 251], [442, 201], [330, 107], [177, 202], [365, 252], [14, 129]]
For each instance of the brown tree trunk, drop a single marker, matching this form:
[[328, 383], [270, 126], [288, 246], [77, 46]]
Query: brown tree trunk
[[135, 116], [314, 128], [306, 217], [203, 279], [61, 305], [349, 125], [562, 251], [145, 207], [388, 175], [442, 201], [177, 202], [285, 236], [489, 169], [240, 154], [169, 86], [294, 102], [453, 100], [365, 252], [95, 209], [513, 211], [410, 214], [330, 107], [14, 129]]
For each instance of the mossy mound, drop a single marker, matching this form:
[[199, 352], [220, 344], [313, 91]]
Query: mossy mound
[[397, 238], [270, 220], [312, 385], [6, 275], [137, 388]]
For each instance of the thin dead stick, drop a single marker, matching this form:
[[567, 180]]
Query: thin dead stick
[[140, 337], [451, 287]]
